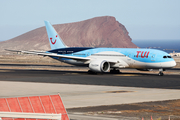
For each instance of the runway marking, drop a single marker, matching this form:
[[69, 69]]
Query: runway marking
[[102, 74], [120, 91]]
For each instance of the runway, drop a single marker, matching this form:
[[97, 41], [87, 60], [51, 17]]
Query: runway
[[125, 79], [80, 89]]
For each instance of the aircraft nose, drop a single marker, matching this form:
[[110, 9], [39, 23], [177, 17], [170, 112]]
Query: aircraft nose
[[173, 63], [169, 64]]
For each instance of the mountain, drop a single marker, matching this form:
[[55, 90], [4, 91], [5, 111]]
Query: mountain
[[96, 32]]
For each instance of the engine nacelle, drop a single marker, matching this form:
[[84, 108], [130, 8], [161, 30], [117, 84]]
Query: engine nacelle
[[145, 69], [99, 66]]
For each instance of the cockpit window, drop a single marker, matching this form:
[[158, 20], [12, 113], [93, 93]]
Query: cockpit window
[[167, 57]]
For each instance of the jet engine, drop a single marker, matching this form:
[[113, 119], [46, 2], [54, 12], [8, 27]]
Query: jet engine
[[99, 66]]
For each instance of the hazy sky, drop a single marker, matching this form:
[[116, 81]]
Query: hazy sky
[[144, 19]]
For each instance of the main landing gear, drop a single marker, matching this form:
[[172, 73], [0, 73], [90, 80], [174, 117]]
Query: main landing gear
[[115, 71], [161, 72], [91, 72]]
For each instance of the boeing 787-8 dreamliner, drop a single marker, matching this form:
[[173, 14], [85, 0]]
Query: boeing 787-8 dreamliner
[[105, 59]]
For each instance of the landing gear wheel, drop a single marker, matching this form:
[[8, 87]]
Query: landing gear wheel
[[161, 74], [114, 71], [91, 72]]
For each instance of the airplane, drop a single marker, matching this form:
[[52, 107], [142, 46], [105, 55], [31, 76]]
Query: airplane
[[102, 60]]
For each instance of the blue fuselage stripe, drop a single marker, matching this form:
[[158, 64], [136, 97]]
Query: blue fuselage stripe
[[141, 55]]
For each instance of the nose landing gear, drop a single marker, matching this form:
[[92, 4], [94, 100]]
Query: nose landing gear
[[161, 72]]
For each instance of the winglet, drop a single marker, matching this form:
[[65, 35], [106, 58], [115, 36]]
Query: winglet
[[54, 39]]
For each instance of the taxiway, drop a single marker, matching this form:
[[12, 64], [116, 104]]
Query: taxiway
[[80, 89]]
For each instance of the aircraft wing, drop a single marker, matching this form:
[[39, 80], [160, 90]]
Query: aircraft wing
[[51, 55], [84, 59]]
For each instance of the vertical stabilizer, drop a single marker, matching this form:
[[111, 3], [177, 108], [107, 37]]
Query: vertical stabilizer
[[54, 39]]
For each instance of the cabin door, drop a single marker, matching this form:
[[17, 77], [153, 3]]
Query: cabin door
[[153, 57]]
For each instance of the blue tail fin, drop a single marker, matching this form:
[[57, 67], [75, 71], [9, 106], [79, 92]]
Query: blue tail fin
[[54, 39]]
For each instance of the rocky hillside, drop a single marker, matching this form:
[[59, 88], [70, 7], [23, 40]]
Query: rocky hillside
[[96, 32]]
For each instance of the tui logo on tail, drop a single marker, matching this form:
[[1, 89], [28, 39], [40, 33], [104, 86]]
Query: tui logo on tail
[[53, 37], [52, 40]]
